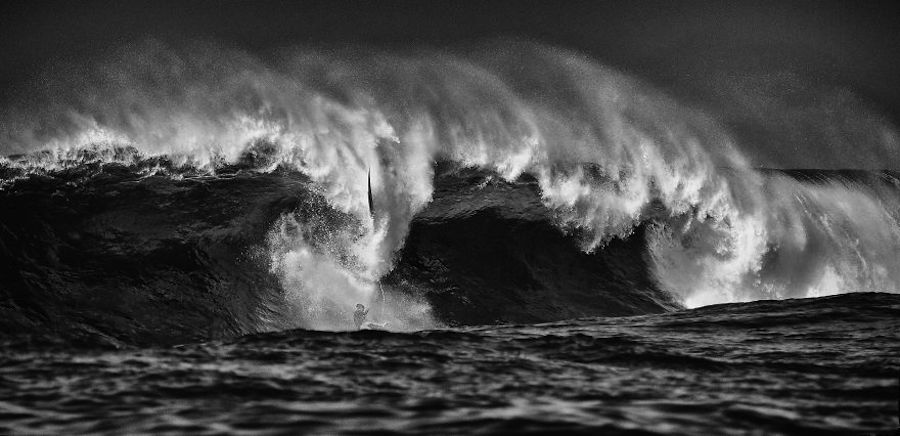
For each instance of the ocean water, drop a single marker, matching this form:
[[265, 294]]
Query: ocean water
[[810, 366], [554, 246]]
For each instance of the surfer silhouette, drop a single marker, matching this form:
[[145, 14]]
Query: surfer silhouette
[[359, 317]]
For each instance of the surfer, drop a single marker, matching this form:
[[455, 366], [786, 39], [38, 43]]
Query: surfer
[[359, 317]]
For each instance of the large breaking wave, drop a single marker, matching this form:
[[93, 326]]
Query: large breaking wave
[[632, 178]]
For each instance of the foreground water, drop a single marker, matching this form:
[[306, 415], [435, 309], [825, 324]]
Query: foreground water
[[812, 366]]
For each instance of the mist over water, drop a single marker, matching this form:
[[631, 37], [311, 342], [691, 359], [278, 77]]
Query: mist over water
[[609, 153]]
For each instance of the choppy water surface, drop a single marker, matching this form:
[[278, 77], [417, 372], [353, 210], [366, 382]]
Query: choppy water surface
[[826, 365]]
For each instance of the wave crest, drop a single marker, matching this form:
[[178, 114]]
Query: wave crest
[[608, 153]]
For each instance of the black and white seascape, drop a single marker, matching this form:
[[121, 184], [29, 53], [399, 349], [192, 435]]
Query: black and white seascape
[[449, 218]]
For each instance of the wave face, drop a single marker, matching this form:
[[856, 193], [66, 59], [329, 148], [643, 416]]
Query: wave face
[[245, 162]]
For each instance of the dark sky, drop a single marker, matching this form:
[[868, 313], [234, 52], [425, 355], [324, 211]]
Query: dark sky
[[672, 44], [856, 42]]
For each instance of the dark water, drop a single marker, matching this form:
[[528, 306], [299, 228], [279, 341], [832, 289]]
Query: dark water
[[815, 366]]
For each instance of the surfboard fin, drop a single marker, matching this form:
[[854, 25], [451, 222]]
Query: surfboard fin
[[371, 208]]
